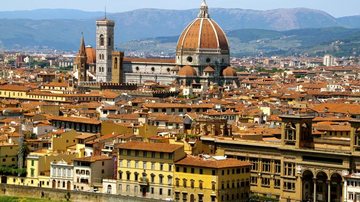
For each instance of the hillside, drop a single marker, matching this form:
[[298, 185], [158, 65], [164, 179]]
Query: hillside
[[61, 28], [249, 42]]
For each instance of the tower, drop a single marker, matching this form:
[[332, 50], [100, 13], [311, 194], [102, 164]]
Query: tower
[[117, 60], [80, 62], [296, 131], [104, 48]]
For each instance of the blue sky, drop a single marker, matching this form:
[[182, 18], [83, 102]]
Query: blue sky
[[334, 7]]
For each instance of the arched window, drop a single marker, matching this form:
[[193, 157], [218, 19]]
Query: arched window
[[115, 63], [109, 41], [102, 40]]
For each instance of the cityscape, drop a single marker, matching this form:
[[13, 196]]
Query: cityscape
[[199, 105]]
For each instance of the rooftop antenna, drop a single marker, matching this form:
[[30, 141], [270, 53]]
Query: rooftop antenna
[[105, 11]]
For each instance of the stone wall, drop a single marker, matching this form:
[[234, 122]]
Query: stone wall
[[64, 195]]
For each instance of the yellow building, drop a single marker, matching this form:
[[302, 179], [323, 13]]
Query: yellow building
[[38, 168], [146, 169], [62, 139], [8, 154], [211, 179], [108, 127]]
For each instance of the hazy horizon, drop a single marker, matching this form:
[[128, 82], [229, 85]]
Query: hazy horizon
[[335, 8]]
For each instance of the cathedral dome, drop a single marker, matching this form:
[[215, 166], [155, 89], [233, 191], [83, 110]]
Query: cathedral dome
[[229, 72], [187, 71], [203, 33]]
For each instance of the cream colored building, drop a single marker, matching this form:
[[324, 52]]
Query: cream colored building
[[147, 169]]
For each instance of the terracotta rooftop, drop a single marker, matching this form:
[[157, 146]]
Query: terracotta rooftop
[[149, 60], [211, 162], [75, 119], [146, 146], [93, 158]]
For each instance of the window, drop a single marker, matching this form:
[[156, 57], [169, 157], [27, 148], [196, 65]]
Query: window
[[127, 188], [109, 41], [161, 166], [170, 167], [169, 180], [290, 132], [136, 153], [152, 178], [152, 166], [201, 171], [192, 170], [184, 170], [170, 156], [200, 184], [255, 164], [184, 183], [213, 186], [152, 154], [189, 59], [144, 165], [161, 177], [160, 191], [177, 195], [201, 197], [184, 196], [289, 186], [266, 166], [136, 164], [136, 176], [289, 169], [277, 183], [253, 180], [128, 164], [177, 182], [102, 40], [213, 172], [277, 167], [351, 196], [128, 174], [161, 155], [144, 154], [192, 183], [265, 182], [135, 189], [169, 192]]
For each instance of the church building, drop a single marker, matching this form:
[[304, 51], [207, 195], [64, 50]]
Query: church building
[[202, 58]]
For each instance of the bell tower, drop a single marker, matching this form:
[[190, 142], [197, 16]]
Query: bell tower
[[104, 49], [296, 131], [80, 62]]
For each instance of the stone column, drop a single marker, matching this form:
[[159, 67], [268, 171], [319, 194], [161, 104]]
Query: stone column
[[328, 182], [314, 189]]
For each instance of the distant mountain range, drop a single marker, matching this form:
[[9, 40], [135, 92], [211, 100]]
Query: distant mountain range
[[61, 28], [338, 41]]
